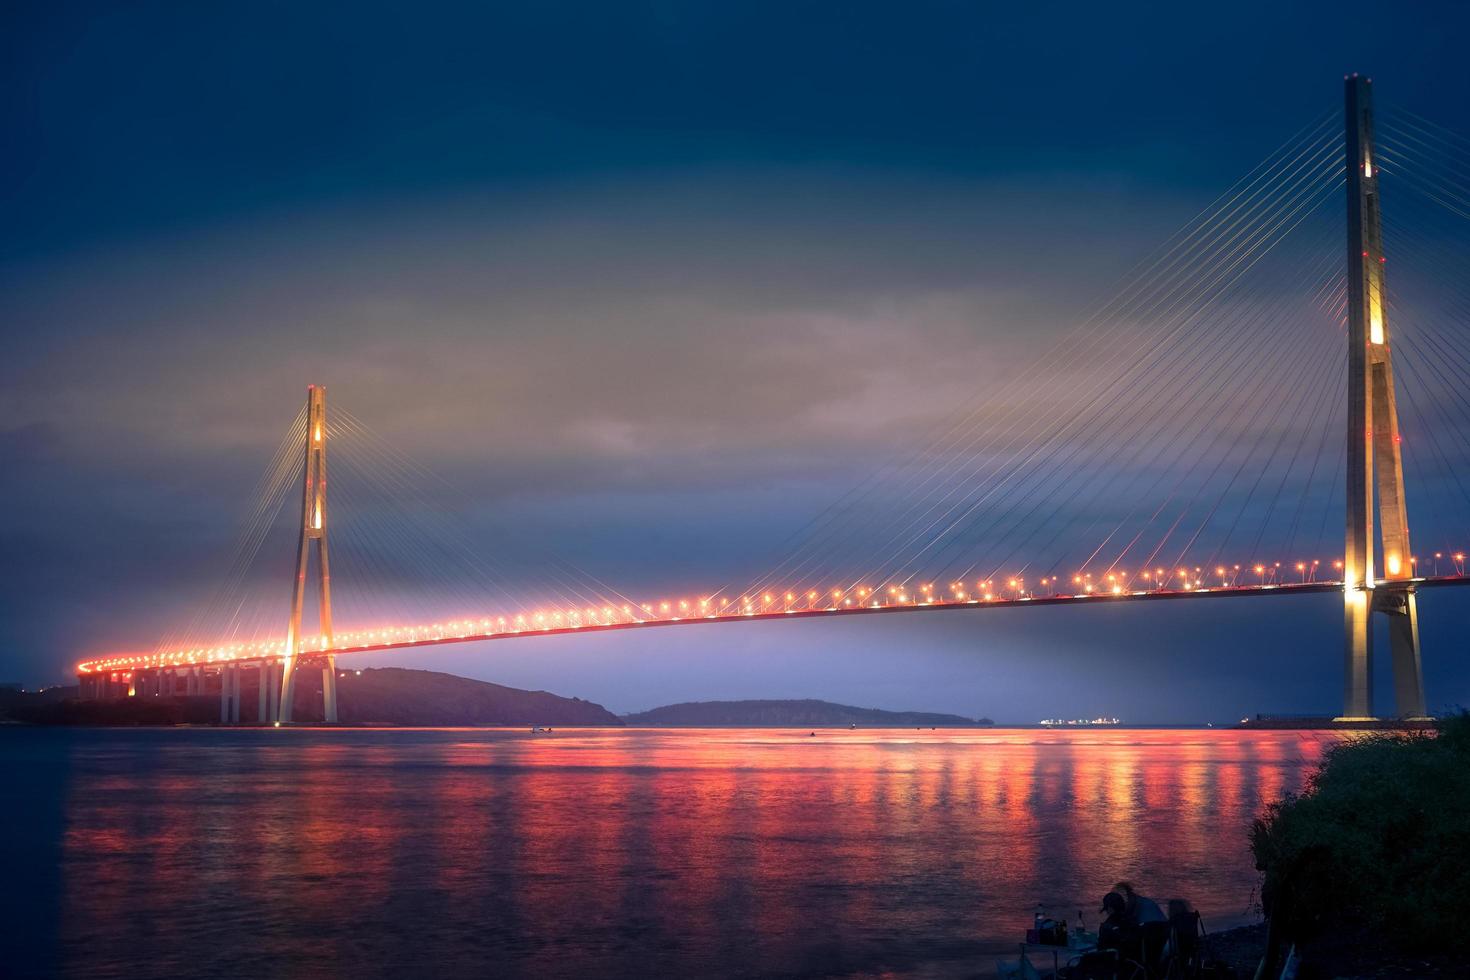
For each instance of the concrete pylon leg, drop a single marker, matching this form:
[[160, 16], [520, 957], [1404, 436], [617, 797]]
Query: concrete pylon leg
[[224, 696], [329, 690], [235, 695], [1357, 695], [1408, 673], [288, 691]]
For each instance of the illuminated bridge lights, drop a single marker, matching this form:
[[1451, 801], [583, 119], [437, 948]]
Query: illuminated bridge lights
[[1109, 584]]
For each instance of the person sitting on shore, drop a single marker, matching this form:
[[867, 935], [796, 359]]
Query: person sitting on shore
[[1139, 909], [1117, 931], [1117, 941]]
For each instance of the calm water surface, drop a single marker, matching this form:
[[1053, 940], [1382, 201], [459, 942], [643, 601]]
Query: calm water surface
[[455, 853]]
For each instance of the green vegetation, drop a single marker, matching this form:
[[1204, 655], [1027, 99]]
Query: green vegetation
[[1376, 846]]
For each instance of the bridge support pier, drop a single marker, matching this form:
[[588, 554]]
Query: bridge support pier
[[229, 695], [272, 675], [262, 694], [329, 690]]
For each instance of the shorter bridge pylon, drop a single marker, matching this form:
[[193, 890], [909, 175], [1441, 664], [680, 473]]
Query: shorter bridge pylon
[[313, 536]]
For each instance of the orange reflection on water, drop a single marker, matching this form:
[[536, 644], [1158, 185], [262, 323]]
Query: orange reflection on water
[[622, 853]]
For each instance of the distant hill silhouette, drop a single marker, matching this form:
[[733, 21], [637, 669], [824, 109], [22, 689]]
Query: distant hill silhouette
[[376, 696], [807, 713], [398, 696]]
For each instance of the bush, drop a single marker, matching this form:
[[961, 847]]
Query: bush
[[1378, 842]]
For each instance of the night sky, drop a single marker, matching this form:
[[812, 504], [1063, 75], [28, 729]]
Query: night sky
[[651, 283]]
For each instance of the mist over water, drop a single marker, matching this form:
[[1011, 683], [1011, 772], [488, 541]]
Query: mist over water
[[609, 852]]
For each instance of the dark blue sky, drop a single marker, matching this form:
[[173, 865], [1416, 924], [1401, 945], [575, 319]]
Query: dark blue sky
[[615, 270]]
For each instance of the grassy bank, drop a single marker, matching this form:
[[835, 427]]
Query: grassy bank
[[1370, 865]]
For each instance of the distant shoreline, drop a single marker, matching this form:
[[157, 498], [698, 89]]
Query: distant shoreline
[[999, 727], [382, 698]]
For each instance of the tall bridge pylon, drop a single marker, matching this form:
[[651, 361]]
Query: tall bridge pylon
[[313, 533], [1374, 462]]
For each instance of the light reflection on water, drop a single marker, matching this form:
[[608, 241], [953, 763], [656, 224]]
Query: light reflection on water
[[620, 853]]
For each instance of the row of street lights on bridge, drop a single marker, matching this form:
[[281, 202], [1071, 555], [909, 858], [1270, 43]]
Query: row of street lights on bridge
[[1115, 582]]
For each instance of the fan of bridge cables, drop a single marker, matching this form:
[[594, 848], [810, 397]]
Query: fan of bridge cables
[[1191, 430], [398, 552], [1426, 227]]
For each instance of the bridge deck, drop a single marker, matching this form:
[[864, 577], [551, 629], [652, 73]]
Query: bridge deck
[[473, 631]]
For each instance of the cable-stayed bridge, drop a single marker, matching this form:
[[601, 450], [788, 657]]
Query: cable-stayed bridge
[[1185, 440]]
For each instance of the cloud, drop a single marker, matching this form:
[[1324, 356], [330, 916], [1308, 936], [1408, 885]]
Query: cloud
[[691, 316]]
